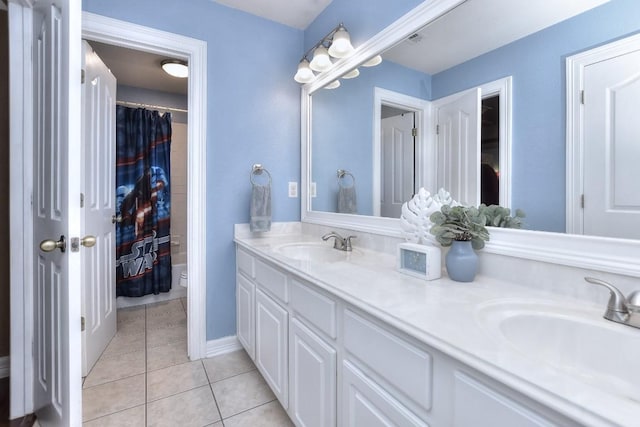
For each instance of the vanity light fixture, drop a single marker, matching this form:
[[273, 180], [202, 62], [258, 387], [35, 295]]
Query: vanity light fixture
[[336, 44], [175, 68]]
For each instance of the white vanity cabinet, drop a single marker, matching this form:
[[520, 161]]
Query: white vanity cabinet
[[332, 364]]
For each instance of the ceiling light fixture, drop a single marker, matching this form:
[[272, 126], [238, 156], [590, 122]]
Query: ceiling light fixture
[[336, 44], [175, 68]]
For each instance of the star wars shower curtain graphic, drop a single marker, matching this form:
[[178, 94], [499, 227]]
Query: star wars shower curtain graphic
[[143, 240]]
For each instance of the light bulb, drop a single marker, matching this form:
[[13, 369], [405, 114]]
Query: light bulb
[[321, 61], [341, 44], [334, 84], [352, 74], [304, 73], [373, 61]]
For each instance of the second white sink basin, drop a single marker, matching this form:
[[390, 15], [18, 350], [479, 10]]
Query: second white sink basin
[[578, 342], [320, 252]]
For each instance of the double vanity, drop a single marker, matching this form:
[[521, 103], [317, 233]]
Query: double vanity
[[343, 338]]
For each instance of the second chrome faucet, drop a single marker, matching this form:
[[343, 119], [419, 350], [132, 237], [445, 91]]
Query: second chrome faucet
[[620, 309], [340, 243]]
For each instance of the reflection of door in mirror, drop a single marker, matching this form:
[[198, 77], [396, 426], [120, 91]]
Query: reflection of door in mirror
[[398, 160], [458, 146], [612, 147]]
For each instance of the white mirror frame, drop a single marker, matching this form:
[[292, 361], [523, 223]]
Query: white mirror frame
[[619, 256]]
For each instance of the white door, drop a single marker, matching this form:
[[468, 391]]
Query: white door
[[612, 147], [98, 189], [397, 163], [458, 146], [56, 212]]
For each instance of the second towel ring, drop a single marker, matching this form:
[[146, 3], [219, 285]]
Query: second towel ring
[[341, 178], [257, 170]]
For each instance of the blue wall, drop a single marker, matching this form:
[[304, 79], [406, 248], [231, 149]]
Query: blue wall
[[253, 117], [339, 144], [537, 64]]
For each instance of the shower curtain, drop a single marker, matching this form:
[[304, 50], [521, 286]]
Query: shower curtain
[[143, 239]]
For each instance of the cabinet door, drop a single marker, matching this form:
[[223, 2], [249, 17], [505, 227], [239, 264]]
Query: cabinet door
[[271, 345], [368, 404], [312, 378], [245, 294]]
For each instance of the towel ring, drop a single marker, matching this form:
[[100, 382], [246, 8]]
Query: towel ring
[[341, 178], [256, 170]]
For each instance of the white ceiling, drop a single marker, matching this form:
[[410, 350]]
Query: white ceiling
[[480, 26], [294, 13], [138, 69]]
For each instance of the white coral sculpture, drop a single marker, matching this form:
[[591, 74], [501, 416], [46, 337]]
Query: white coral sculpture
[[414, 221]]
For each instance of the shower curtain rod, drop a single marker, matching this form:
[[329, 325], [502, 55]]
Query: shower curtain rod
[[154, 107]]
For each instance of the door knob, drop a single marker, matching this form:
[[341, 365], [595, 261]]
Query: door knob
[[88, 241], [116, 219], [51, 245]]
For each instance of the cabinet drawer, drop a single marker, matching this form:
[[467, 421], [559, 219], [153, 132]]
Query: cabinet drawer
[[367, 404], [316, 308], [245, 263], [476, 403], [272, 280], [404, 366]]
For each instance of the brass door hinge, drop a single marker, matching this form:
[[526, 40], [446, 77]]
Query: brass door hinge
[[582, 97], [81, 323], [414, 132], [582, 201], [81, 76]]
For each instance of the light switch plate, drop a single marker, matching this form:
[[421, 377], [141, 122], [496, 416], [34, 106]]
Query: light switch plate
[[293, 189]]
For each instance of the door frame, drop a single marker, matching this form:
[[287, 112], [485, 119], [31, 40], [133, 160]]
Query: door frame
[[575, 66], [125, 34], [422, 109], [20, 18]]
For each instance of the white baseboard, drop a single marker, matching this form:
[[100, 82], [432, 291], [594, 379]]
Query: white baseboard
[[5, 366], [222, 346]]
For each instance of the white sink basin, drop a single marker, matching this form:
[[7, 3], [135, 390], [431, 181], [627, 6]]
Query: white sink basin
[[320, 252], [579, 342]]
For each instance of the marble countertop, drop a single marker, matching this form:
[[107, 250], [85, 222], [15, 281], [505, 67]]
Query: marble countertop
[[446, 315]]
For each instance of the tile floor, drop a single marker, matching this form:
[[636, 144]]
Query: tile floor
[[144, 378]]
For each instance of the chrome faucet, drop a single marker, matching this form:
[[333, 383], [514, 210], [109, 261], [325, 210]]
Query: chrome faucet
[[620, 309], [340, 243]]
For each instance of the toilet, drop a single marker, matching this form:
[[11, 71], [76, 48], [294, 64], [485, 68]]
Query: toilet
[[183, 279]]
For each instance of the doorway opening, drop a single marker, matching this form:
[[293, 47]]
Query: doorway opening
[[490, 151], [122, 34]]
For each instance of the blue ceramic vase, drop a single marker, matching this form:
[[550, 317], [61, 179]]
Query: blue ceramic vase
[[461, 261]]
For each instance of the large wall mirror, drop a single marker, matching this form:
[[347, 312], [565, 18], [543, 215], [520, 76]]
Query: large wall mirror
[[509, 56]]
